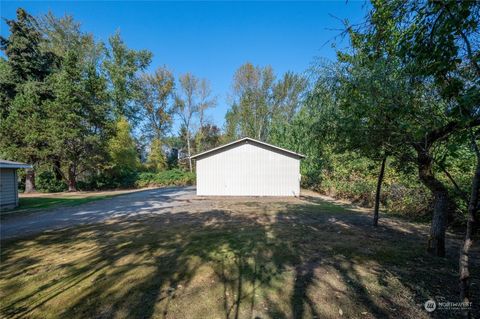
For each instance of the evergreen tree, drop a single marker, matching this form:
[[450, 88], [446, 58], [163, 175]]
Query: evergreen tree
[[23, 49], [24, 92], [78, 118]]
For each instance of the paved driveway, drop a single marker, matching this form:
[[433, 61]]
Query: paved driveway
[[150, 201]]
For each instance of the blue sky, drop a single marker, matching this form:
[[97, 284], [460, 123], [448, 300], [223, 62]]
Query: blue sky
[[212, 39]]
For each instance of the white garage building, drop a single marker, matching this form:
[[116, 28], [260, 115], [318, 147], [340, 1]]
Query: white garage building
[[248, 167]]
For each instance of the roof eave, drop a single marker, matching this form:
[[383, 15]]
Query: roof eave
[[16, 166], [247, 139]]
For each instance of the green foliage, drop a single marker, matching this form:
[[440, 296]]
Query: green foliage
[[122, 148], [156, 160], [354, 177], [21, 141], [441, 41], [298, 136], [122, 66], [429, 86], [207, 137], [23, 90], [191, 100], [174, 177], [47, 182], [261, 105], [109, 180], [7, 87], [78, 124], [251, 110], [23, 48], [155, 97]]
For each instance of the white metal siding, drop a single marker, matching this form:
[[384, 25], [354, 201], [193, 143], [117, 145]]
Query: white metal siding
[[248, 170], [8, 187]]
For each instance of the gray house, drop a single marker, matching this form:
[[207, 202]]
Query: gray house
[[9, 183]]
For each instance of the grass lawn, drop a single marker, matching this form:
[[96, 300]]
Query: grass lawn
[[231, 258], [28, 203], [39, 201]]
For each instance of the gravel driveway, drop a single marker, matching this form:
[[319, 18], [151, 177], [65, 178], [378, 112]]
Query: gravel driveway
[[134, 204]]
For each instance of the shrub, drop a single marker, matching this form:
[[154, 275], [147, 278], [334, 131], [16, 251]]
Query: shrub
[[353, 177], [130, 179], [173, 177], [46, 182], [109, 180]]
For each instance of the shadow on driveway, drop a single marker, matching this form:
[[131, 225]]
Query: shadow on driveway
[[132, 204]]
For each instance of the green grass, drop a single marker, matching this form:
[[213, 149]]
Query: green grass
[[227, 259], [29, 204], [39, 202]]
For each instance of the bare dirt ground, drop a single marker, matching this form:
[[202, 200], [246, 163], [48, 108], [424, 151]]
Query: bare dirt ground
[[175, 255]]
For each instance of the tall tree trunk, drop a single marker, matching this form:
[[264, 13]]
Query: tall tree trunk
[[378, 192], [436, 241], [72, 179], [57, 170], [188, 150], [30, 181], [442, 203], [469, 233]]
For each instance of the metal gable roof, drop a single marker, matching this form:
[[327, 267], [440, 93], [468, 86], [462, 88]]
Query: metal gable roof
[[10, 164], [246, 140]]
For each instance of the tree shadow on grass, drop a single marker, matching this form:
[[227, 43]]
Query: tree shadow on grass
[[350, 245], [168, 258], [291, 263]]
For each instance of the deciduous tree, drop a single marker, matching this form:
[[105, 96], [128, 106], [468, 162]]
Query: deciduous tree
[[122, 66], [122, 149], [427, 39], [192, 99], [156, 100]]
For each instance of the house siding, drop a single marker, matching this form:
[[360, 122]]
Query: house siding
[[248, 169], [8, 187]]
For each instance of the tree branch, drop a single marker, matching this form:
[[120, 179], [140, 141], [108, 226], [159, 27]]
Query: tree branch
[[463, 195], [450, 127]]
